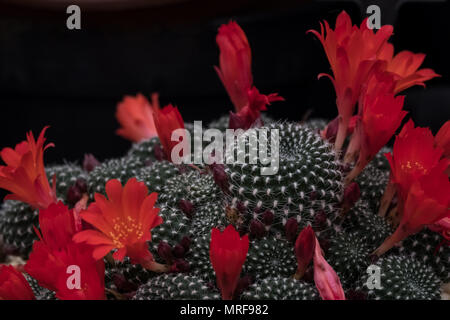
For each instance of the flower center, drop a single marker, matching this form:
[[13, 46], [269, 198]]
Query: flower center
[[124, 229]]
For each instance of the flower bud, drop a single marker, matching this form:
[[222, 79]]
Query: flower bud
[[291, 228]]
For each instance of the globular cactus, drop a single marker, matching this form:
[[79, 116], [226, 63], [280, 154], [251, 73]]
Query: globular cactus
[[66, 176], [122, 169], [16, 225], [405, 278], [308, 181], [429, 248], [280, 288], [176, 287]]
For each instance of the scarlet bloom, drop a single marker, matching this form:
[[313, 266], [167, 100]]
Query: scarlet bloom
[[381, 113], [227, 251], [327, 281], [442, 139], [123, 222], [235, 63], [236, 75], [352, 53], [304, 250], [135, 115], [167, 120], [55, 253], [13, 285], [427, 202], [405, 67], [24, 174], [414, 156]]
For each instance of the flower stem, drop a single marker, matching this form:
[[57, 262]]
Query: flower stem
[[341, 134], [386, 199], [390, 242]]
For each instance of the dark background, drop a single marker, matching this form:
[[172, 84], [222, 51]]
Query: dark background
[[72, 80]]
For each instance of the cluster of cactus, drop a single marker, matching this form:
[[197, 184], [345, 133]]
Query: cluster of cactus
[[308, 189]]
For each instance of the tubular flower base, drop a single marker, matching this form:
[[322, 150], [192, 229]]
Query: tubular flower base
[[24, 174], [227, 251]]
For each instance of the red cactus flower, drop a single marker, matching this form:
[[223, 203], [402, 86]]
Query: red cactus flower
[[304, 250], [414, 155], [24, 174], [405, 67], [167, 120], [235, 63], [123, 221], [427, 202], [227, 251], [55, 254], [135, 115], [326, 279], [352, 53], [236, 75], [380, 116], [13, 285], [442, 139]]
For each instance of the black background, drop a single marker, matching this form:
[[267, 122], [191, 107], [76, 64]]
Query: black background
[[72, 80]]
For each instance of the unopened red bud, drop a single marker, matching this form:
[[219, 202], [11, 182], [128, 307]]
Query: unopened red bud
[[178, 251], [182, 265], [320, 219], [186, 243], [81, 184], [122, 284], [304, 250], [267, 217], [187, 207], [241, 207], [159, 153], [165, 251], [220, 177], [90, 162], [73, 195], [291, 228], [352, 194], [257, 229]]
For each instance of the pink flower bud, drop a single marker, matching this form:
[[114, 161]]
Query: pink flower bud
[[304, 250], [327, 281]]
